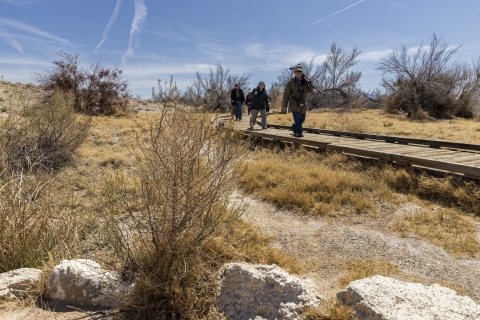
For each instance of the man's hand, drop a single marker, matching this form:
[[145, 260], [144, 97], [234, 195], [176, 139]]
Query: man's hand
[[284, 110]]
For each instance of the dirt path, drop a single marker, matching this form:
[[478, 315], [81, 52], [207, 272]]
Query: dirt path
[[328, 244]]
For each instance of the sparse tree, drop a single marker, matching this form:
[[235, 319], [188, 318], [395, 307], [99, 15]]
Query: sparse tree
[[95, 90], [213, 91], [334, 76], [427, 82]]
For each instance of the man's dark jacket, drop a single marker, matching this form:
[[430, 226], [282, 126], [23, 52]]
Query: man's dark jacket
[[233, 96]]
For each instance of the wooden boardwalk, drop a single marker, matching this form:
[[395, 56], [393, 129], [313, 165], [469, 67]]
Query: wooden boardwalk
[[457, 158]]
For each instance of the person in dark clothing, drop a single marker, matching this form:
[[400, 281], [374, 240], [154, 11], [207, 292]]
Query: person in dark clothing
[[259, 104], [238, 99], [295, 96], [248, 102]]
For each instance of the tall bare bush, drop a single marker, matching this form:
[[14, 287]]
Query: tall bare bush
[[97, 90], [213, 90], [426, 81], [164, 218]]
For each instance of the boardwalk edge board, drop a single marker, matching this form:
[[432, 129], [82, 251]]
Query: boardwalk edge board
[[390, 139], [467, 170]]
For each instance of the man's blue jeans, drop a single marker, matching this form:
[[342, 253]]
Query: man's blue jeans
[[298, 120], [238, 111]]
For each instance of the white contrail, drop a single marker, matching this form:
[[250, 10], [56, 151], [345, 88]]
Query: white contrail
[[333, 14], [110, 23], [31, 29], [138, 18], [8, 38]]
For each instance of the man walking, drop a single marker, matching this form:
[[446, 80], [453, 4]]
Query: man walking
[[238, 99], [295, 97]]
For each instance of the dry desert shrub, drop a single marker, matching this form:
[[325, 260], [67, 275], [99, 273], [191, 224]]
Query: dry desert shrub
[[37, 225], [163, 218], [96, 90], [41, 136]]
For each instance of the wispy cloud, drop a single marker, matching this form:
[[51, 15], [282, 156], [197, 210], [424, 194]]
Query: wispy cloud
[[333, 14], [375, 56], [29, 29], [19, 2], [138, 18], [169, 35], [24, 61], [8, 38], [282, 56], [110, 23]]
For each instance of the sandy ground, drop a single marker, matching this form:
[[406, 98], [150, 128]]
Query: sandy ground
[[327, 244]]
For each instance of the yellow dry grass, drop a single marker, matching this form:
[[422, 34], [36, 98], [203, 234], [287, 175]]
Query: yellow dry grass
[[447, 228], [314, 183], [331, 311], [356, 270], [378, 122], [245, 243]]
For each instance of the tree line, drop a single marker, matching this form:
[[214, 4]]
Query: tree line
[[423, 83]]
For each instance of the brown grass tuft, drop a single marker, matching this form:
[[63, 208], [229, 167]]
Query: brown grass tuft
[[313, 183], [446, 191], [333, 311], [357, 270], [445, 227], [245, 243]]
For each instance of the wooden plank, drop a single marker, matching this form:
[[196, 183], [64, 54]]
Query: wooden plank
[[471, 162], [448, 166], [443, 155], [422, 152], [461, 156], [394, 148]]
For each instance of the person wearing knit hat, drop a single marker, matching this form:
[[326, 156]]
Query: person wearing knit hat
[[260, 99], [295, 98]]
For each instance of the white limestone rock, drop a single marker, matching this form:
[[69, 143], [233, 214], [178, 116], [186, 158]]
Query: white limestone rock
[[249, 291], [379, 298], [16, 283], [83, 282]]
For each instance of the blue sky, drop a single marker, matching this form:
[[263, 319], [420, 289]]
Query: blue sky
[[153, 39]]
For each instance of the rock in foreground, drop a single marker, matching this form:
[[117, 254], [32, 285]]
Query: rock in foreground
[[16, 283], [84, 283], [379, 298], [263, 291]]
